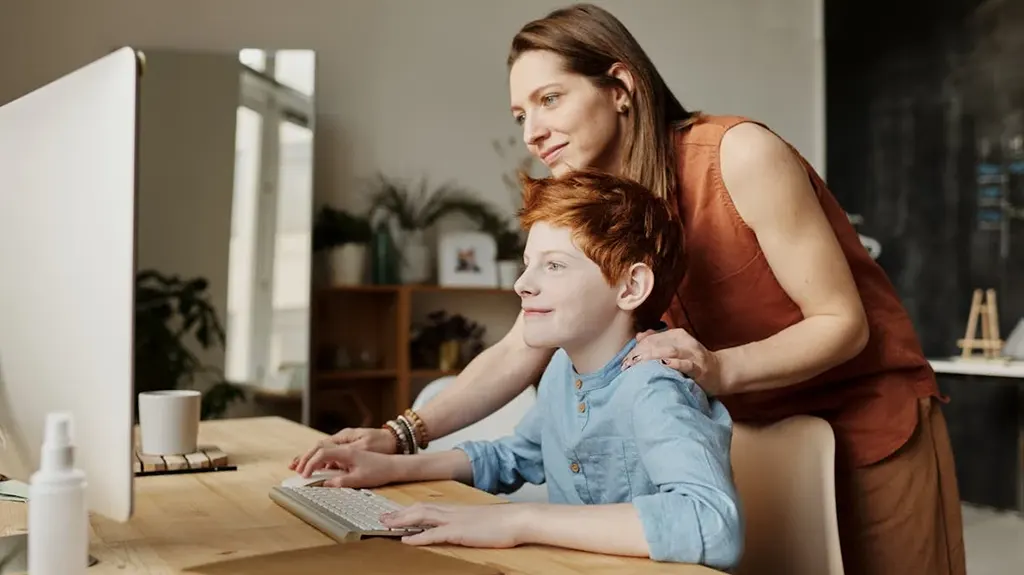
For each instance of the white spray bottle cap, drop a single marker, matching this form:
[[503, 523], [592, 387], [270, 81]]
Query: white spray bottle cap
[[57, 453]]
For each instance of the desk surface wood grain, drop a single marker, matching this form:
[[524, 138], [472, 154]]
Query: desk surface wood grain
[[183, 521]]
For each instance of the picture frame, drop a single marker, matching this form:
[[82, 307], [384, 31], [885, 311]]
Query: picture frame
[[467, 259]]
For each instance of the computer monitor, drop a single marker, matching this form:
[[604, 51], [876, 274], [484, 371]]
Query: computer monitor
[[67, 274]]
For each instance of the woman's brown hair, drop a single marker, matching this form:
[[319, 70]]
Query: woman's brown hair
[[590, 40]]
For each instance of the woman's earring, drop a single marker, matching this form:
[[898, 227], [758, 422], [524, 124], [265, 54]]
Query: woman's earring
[[624, 108]]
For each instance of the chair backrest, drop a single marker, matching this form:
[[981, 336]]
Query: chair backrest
[[785, 475]]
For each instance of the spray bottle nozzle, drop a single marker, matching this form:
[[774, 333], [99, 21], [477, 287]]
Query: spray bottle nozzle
[[57, 453]]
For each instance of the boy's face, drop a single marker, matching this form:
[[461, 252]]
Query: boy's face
[[566, 299]]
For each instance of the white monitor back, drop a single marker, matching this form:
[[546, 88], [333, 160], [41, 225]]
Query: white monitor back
[[67, 274]]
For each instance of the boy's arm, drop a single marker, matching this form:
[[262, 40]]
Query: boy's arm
[[502, 466], [499, 466], [695, 516], [452, 464], [685, 446]]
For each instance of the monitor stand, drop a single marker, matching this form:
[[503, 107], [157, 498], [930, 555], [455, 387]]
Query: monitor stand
[[14, 554]]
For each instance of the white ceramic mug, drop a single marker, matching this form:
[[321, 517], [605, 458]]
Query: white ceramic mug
[[169, 421]]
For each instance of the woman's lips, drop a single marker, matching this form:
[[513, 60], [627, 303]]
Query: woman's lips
[[551, 155]]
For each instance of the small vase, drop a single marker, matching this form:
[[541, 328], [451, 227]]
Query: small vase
[[416, 265], [449, 360], [348, 264], [385, 260], [508, 273]]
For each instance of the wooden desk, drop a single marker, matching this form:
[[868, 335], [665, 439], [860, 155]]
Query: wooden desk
[[183, 521]]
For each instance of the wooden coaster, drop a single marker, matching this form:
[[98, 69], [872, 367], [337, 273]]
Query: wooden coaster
[[206, 457]]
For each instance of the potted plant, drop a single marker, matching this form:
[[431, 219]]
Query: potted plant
[[172, 315], [344, 238], [411, 210], [445, 342], [510, 256]]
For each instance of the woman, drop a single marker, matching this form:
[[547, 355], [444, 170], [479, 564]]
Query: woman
[[782, 311]]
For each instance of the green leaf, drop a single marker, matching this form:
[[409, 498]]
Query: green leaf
[[170, 312]]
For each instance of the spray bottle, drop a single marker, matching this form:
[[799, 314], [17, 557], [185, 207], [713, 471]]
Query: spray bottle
[[58, 519]]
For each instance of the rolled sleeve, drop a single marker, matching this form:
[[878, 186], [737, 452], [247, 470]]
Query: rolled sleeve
[[503, 465], [684, 443]]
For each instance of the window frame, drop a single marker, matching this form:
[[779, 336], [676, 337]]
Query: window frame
[[276, 103]]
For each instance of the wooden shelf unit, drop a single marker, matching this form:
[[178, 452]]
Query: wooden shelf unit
[[372, 323]]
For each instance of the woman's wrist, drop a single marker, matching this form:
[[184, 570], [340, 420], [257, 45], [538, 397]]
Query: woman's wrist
[[728, 361], [389, 441], [407, 433]]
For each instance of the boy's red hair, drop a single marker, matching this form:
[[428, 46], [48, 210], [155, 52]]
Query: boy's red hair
[[616, 222]]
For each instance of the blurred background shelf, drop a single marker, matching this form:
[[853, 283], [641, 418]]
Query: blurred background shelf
[[362, 373]]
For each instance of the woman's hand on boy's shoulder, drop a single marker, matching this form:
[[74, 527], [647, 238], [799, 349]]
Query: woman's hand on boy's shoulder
[[679, 350]]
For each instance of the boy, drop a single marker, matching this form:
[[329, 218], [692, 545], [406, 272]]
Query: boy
[[636, 462]]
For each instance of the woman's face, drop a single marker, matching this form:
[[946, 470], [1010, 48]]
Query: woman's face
[[568, 122]]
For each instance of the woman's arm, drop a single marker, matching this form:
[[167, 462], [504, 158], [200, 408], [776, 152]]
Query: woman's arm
[[773, 194], [492, 379]]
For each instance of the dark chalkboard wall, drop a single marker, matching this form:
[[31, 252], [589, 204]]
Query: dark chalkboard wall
[[920, 97]]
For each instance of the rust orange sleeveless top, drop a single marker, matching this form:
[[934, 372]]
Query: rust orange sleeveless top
[[730, 297]]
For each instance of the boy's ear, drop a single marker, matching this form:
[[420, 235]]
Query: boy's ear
[[636, 286]]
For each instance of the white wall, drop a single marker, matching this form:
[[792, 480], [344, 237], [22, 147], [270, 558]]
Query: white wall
[[420, 88]]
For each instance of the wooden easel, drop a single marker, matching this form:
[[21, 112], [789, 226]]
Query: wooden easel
[[991, 346]]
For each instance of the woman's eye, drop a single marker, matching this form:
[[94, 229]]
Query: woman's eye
[[555, 266], [520, 118], [550, 99]]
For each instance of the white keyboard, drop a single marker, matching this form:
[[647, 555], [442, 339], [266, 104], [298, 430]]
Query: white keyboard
[[341, 513]]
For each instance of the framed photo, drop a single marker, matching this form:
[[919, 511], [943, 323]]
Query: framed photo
[[467, 259]]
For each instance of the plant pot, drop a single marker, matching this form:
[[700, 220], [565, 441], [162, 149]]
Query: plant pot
[[416, 266], [449, 355], [508, 273], [347, 264]]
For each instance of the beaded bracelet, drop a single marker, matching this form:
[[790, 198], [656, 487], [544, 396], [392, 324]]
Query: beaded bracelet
[[420, 427], [398, 439], [403, 443], [410, 431]]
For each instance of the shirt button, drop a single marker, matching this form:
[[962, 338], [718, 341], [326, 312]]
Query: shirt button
[[575, 467], [579, 384], [581, 407]]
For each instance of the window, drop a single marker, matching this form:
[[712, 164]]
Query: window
[[242, 271], [295, 69], [271, 229], [292, 247], [255, 59]]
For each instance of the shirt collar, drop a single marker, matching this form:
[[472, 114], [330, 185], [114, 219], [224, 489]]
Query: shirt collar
[[605, 375]]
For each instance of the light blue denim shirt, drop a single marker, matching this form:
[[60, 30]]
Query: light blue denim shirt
[[646, 435]]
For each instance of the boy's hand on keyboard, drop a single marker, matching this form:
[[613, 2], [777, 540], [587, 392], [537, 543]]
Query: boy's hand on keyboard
[[359, 468], [489, 526], [377, 440]]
